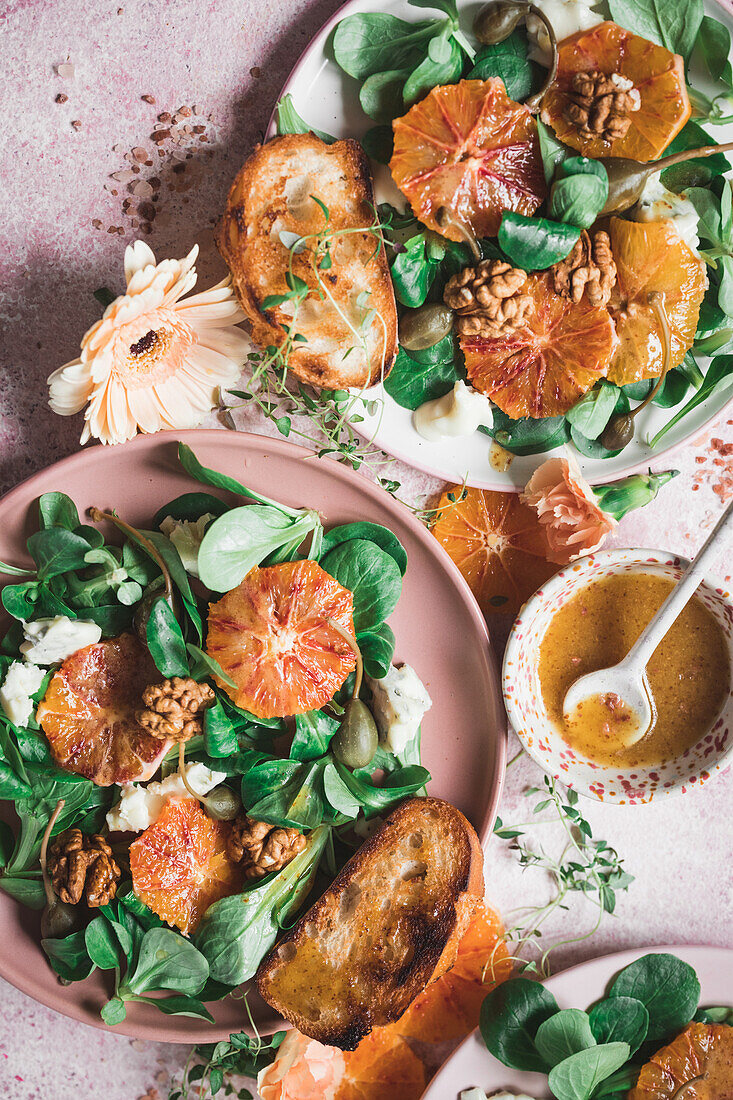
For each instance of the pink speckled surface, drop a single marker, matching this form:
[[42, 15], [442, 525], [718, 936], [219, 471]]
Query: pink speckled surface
[[229, 58]]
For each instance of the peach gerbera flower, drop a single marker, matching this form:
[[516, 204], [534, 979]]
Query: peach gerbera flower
[[153, 361], [303, 1070], [572, 519]]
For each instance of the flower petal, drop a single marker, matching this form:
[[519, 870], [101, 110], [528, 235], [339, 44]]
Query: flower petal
[[137, 256]]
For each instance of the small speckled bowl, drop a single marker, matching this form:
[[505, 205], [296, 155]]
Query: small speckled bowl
[[526, 709]]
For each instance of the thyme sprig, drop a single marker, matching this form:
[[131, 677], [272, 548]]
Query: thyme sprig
[[585, 865]]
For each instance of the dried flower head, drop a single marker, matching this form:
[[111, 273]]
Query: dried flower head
[[153, 361]]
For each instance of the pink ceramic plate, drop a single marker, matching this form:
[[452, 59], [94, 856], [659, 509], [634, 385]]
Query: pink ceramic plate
[[437, 623], [579, 987]]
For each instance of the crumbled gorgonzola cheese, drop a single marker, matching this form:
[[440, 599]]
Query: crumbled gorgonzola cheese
[[141, 806], [566, 17], [399, 701], [187, 536], [48, 641], [20, 683], [657, 202]]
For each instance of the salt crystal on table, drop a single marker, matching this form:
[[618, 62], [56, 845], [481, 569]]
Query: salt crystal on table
[[65, 71], [142, 189], [140, 154], [123, 177]]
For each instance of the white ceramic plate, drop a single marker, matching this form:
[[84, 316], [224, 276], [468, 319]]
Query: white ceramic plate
[[472, 1065], [328, 100]]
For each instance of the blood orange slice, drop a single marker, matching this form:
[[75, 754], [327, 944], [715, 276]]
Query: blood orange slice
[[701, 1057], [498, 544], [471, 149], [88, 713], [651, 256], [657, 75], [179, 865], [543, 368], [449, 1008], [272, 637], [382, 1066]]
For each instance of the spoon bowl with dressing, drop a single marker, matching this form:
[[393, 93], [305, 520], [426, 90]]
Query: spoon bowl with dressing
[[588, 617]]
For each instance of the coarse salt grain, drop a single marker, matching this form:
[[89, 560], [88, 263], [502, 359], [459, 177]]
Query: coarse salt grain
[[65, 70], [142, 189], [148, 98], [139, 153]]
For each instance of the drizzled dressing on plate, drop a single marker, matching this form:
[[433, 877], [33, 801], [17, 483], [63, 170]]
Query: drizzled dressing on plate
[[688, 673]]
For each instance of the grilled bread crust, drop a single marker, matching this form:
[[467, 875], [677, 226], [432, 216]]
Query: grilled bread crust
[[350, 321], [389, 924]]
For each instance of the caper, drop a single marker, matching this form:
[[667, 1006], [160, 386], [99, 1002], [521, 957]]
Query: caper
[[143, 609], [618, 433], [496, 20], [449, 219], [355, 741], [222, 804], [627, 178], [58, 920], [422, 328]]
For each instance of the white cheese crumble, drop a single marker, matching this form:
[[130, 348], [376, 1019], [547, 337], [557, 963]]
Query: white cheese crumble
[[459, 412], [140, 807], [399, 701], [566, 17], [657, 202], [187, 536], [20, 683], [48, 641]]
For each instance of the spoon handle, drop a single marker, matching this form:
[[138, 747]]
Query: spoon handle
[[679, 597]]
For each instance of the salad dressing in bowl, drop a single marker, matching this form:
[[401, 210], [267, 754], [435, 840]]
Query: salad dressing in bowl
[[688, 672]]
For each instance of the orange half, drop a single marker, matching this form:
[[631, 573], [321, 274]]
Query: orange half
[[469, 148], [498, 544], [701, 1057], [651, 256], [179, 865], [657, 74], [88, 713], [544, 367], [272, 637]]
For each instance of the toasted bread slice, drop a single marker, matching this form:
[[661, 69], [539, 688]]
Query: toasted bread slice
[[390, 923], [350, 321]]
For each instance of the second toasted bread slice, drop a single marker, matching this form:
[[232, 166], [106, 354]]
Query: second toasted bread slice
[[389, 924], [298, 188]]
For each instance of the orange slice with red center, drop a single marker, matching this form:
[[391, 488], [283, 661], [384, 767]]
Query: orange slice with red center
[[498, 544], [272, 637], [700, 1058], [469, 148], [88, 713], [544, 367], [657, 75], [180, 866], [651, 256]]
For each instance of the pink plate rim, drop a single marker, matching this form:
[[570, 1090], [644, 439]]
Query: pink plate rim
[[422, 465], [166, 1028]]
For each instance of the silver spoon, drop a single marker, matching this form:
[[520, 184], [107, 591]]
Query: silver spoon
[[628, 679]]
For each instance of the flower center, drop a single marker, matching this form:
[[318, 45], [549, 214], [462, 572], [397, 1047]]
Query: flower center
[[152, 349]]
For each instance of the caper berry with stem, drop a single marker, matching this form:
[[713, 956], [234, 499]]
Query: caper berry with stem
[[424, 327], [619, 431], [58, 918], [447, 219], [143, 609], [355, 741], [221, 804], [496, 20], [627, 178]]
